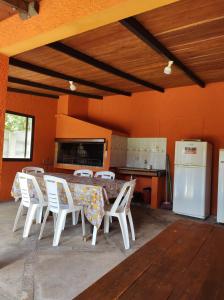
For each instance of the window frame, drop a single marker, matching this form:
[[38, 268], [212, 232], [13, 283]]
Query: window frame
[[32, 137]]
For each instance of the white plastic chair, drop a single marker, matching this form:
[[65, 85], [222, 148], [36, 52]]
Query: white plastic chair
[[34, 203], [121, 210], [105, 175], [33, 170], [83, 173], [57, 208]]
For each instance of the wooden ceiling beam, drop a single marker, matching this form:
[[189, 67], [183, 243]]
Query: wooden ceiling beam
[[58, 46], [34, 68], [22, 91], [51, 88], [147, 37]]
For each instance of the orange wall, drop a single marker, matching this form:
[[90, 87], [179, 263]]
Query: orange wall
[[73, 106], [44, 110], [179, 113]]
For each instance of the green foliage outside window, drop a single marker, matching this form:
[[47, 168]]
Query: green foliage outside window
[[15, 122]]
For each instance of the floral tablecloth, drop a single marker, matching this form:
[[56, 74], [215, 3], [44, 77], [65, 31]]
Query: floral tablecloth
[[85, 191]]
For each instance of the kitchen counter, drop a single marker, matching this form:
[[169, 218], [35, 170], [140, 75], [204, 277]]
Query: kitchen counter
[[156, 181], [141, 172]]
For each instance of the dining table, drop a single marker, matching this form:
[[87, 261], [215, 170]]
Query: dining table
[[90, 192]]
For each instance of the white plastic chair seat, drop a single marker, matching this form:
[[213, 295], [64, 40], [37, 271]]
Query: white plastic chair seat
[[108, 212], [66, 206], [36, 201]]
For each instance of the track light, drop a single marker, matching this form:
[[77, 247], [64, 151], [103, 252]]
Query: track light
[[72, 86], [168, 70]]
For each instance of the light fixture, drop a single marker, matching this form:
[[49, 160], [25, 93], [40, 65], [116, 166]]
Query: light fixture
[[168, 70], [72, 86]]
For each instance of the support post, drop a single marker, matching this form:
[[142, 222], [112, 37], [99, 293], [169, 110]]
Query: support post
[[3, 92], [157, 191]]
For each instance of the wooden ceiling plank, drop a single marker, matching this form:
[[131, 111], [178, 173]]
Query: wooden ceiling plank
[[146, 36], [16, 4], [52, 88], [189, 36], [28, 92], [58, 46], [25, 65], [6, 11], [180, 15]]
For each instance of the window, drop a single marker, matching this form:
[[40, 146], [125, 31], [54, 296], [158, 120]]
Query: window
[[18, 136]]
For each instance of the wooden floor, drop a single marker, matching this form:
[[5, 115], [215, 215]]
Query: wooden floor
[[185, 261]]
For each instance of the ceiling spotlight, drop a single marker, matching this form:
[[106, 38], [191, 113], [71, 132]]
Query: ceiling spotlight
[[167, 70], [72, 86]]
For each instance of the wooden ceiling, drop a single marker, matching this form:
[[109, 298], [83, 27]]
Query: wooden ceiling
[[193, 31], [5, 11]]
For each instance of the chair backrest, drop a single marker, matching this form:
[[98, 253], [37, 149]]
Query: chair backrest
[[105, 175], [83, 173], [53, 185], [26, 191], [33, 170], [125, 196]]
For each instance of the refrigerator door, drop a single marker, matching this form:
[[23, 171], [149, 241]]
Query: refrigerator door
[[189, 191], [191, 153], [220, 204]]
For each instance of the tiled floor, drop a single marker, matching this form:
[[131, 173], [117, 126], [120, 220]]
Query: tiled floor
[[32, 269]]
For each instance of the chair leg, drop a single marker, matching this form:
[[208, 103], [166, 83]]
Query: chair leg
[[43, 224], [94, 235], [39, 215], [59, 226], [75, 217], [83, 223], [63, 227], [25, 210], [106, 223], [18, 214], [55, 219], [131, 226], [29, 219], [111, 220], [124, 230]]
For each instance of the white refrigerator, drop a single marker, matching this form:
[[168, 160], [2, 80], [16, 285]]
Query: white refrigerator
[[192, 178], [220, 202]]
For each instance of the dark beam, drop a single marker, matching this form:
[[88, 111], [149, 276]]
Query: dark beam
[[34, 68], [135, 27], [51, 88], [21, 91], [101, 65]]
